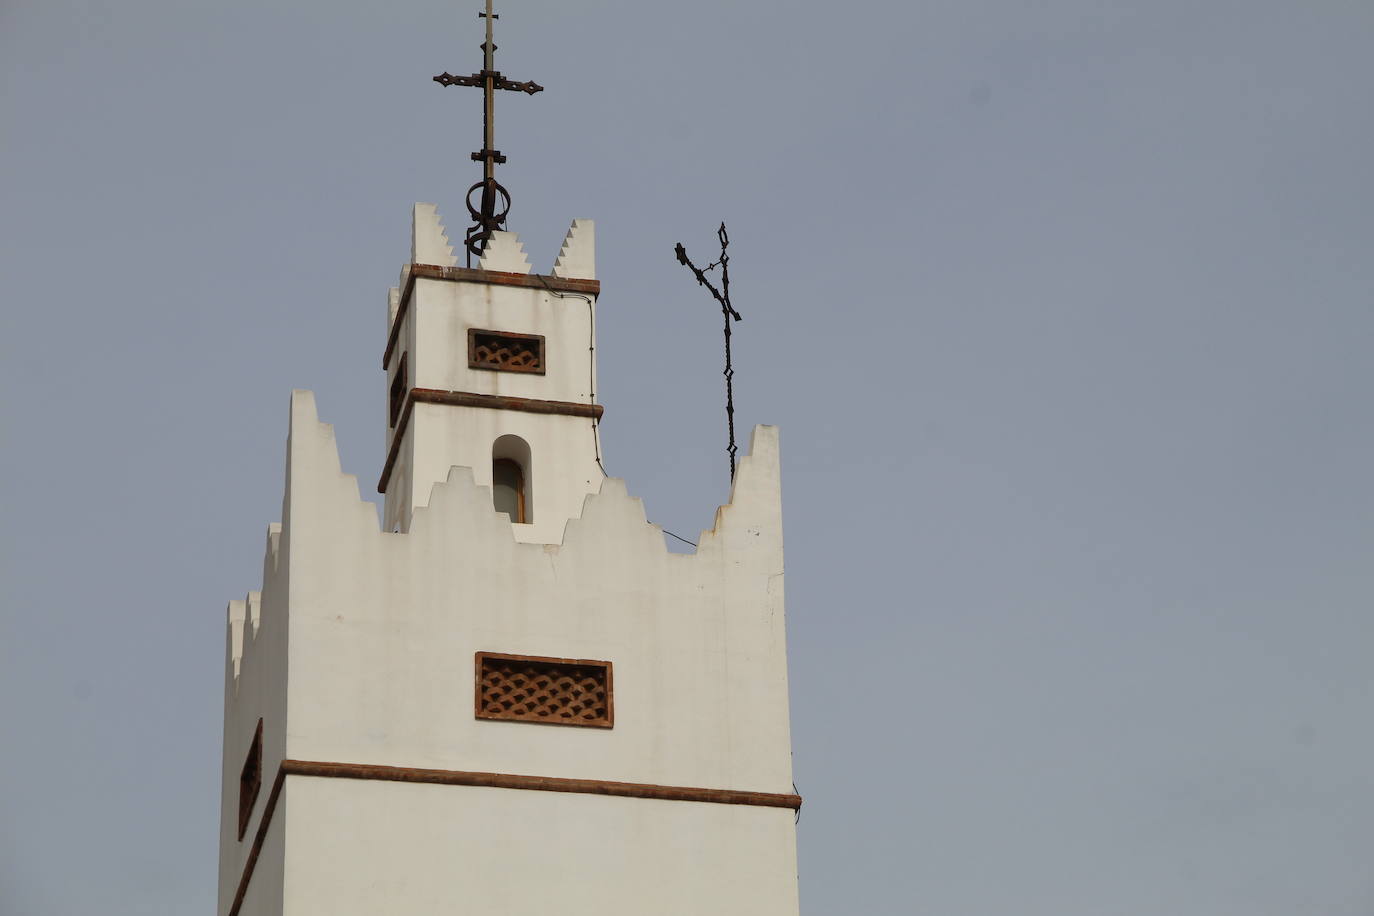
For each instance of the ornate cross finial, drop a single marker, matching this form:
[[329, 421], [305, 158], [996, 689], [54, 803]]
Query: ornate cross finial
[[489, 214], [722, 296]]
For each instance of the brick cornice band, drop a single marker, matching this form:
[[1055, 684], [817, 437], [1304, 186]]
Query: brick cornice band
[[258, 839], [506, 402], [493, 781], [471, 275], [541, 783], [471, 399]]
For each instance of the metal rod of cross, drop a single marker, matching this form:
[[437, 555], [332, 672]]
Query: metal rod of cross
[[722, 296], [489, 214]]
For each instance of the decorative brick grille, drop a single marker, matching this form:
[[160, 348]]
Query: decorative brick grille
[[505, 351], [553, 691]]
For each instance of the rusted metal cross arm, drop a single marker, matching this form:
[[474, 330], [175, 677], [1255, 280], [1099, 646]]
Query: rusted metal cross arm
[[701, 278], [479, 80]]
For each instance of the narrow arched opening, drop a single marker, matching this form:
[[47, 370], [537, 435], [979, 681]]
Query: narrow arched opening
[[510, 479], [508, 489]]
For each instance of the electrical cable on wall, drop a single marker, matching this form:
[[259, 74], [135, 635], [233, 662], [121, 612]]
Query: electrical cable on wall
[[591, 385]]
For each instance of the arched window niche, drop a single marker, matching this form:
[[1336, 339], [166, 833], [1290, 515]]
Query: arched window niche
[[510, 479]]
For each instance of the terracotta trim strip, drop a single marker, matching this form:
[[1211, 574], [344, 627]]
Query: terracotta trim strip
[[470, 399], [261, 837], [471, 275], [506, 402], [394, 332], [494, 781], [540, 783], [396, 439]]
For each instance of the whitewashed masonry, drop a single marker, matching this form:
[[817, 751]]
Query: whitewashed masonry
[[378, 787]]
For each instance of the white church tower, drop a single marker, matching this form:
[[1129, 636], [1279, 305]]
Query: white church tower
[[509, 698]]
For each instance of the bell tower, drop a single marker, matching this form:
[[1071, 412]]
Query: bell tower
[[508, 697], [493, 369]]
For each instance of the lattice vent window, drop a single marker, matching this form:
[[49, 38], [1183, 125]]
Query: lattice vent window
[[505, 351], [250, 781], [553, 691], [399, 385]]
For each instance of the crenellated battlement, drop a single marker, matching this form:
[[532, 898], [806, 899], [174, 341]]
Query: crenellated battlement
[[341, 589], [577, 255], [505, 253], [430, 244], [245, 617], [316, 480]]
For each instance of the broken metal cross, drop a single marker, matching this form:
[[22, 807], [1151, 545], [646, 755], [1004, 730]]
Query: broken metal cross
[[722, 296]]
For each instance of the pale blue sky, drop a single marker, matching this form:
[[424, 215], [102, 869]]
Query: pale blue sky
[[1064, 309]]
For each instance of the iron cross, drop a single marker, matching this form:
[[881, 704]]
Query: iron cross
[[723, 297], [490, 213]]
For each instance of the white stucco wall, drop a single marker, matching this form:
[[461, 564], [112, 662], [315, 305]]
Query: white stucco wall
[[561, 471], [379, 636], [266, 893], [384, 628], [444, 310], [255, 686], [444, 850]]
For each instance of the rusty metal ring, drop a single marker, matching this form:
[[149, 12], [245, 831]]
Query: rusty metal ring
[[487, 214]]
